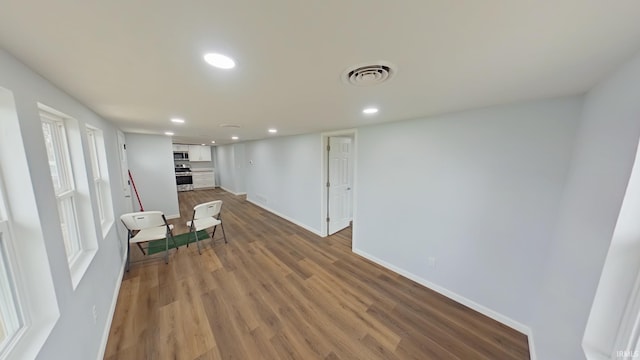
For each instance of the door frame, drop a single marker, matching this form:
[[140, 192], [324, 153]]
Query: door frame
[[323, 179]]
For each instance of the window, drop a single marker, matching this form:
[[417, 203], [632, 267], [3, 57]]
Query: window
[[55, 138], [63, 138], [95, 170], [28, 303], [100, 177], [11, 320]]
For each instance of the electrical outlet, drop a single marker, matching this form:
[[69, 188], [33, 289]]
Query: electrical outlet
[[431, 261], [95, 314]]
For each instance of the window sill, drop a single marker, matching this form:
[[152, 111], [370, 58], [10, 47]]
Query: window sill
[[80, 266], [30, 342], [106, 227]]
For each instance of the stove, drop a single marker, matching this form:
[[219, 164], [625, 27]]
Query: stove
[[183, 172], [184, 178]]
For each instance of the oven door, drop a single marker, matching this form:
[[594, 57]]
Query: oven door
[[184, 182], [184, 179]]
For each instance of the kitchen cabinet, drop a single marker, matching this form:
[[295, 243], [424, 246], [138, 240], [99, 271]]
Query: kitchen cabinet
[[180, 148], [203, 179], [199, 153]]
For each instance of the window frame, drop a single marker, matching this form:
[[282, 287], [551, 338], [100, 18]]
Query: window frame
[[100, 178], [27, 249], [96, 175], [8, 265], [65, 193], [83, 219]]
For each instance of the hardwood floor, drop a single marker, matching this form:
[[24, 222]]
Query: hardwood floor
[[277, 291]]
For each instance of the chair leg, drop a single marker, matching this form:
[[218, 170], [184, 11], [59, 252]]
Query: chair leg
[[224, 234], [213, 233], [174, 242], [166, 249], [128, 254], [197, 241]]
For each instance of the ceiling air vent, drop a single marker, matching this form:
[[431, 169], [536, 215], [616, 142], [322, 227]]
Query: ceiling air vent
[[369, 74], [233, 126]]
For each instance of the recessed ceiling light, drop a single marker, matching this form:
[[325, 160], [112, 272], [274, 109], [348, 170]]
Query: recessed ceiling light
[[169, 133], [177, 120], [213, 141], [370, 110], [202, 144], [273, 131], [234, 138], [220, 61]]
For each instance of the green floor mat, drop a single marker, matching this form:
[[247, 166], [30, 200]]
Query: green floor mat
[[157, 246]]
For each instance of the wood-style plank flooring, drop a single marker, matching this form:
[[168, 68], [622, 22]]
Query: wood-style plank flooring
[[277, 291]]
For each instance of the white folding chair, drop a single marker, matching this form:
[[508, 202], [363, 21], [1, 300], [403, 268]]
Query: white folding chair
[[205, 216], [147, 226]]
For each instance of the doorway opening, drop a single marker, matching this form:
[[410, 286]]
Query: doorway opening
[[338, 180]]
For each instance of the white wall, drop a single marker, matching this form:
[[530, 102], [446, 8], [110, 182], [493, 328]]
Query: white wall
[[240, 168], [74, 335], [231, 166], [478, 190], [225, 163], [285, 176], [151, 163], [601, 167], [202, 164]]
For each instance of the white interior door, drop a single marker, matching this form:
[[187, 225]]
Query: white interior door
[[339, 178]]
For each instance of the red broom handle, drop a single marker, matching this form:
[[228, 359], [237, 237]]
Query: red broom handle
[[135, 190]]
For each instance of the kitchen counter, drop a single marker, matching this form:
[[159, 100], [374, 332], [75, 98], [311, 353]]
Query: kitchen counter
[[203, 178]]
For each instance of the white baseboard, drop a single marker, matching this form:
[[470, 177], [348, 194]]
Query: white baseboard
[[169, 217], [233, 192], [306, 227], [532, 348], [112, 310], [457, 298]]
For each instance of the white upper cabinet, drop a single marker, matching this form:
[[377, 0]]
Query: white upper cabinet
[[180, 148], [199, 153]]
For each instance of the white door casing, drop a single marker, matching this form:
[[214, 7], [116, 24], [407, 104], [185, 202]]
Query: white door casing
[[339, 169], [124, 170]]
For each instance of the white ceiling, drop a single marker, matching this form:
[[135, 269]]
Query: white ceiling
[[139, 63]]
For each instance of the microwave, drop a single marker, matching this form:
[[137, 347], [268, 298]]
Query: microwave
[[180, 155]]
